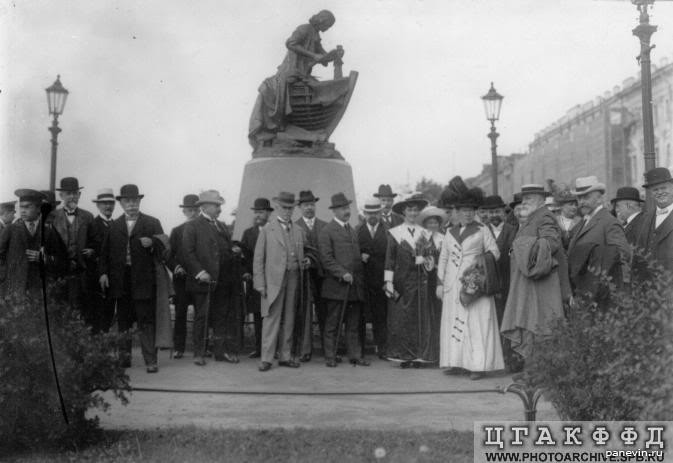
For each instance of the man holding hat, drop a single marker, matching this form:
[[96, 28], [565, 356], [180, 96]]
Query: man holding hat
[[7, 213], [279, 256], [261, 211], [373, 242], [312, 227], [176, 263], [599, 242], [210, 262], [386, 196], [656, 231], [343, 287], [103, 305], [72, 225], [20, 245], [628, 207], [127, 269]]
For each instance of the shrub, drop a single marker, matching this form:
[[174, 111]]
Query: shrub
[[613, 362], [87, 364]]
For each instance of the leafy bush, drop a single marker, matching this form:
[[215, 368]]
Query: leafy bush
[[30, 414], [613, 362]]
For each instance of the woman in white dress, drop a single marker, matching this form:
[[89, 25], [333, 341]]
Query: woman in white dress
[[469, 336]]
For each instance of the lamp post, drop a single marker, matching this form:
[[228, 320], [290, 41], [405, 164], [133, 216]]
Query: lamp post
[[56, 96], [492, 103]]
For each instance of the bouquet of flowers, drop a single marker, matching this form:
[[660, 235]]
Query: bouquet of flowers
[[424, 253], [472, 281]]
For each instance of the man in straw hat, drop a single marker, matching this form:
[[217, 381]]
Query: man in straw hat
[[127, 270], [628, 209], [656, 231], [389, 218], [343, 287], [103, 305], [598, 245], [20, 247], [373, 241], [72, 224], [279, 254], [176, 263], [262, 211], [210, 262]]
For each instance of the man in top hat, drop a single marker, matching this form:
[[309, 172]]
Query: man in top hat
[[373, 242], [312, 227], [210, 261], [279, 257], [386, 196], [599, 242], [72, 224], [7, 213], [127, 272], [103, 305], [656, 231], [628, 209], [261, 212], [537, 292], [567, 217], [176, 262], [21, 243], [343, 287]]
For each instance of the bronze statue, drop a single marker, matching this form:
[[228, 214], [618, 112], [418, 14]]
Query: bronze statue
[[294, 112]]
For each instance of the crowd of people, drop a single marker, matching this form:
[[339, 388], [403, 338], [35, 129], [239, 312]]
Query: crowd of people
[[466, 284]]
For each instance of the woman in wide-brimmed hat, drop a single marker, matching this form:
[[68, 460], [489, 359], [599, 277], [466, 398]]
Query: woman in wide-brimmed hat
[[408, 260], [469, 337]]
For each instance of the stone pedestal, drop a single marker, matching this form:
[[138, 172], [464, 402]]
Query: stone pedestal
[[267, 176]]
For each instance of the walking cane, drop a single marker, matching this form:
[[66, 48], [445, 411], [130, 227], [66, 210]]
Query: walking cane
[[202, 359], [299, 318], [418, 311], [341, 319]]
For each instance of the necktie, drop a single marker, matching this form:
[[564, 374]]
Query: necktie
[[411, 231], [347, 227], [215, 224]]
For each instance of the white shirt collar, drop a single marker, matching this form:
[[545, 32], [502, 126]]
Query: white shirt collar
[[593, 213], [373, 228], [343, 224], [105, 218], [498, 227], [129, 219], [309, 222], [630, 218]]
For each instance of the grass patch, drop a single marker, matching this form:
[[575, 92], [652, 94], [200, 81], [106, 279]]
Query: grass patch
[[190, 444]]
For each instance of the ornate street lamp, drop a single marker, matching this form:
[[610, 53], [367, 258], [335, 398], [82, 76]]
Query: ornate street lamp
[[56, 96], [492, 103]]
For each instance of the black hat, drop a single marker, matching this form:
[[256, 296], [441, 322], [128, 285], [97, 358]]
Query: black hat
[[565, 196], [414, 200], [452, 193], [189, 200], [50, 197], [656, 176], [474, 197], [627, 193], [307, 197], [533, 188], [69, 184], [26, 194], [129, 191], [262, 204], [516, 201], [385, 192], [339, 200], [8, 206], [492, 202], [285, 199]]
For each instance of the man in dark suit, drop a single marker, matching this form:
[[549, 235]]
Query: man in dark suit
[[312, 227], [386, 196], [103, 305], [344, 278], [262, 210], [373, 242], [20, 247], [72, 224], [127, 268], [628, 207], [656, 231], [599, 243], [176, 262], [209, 256]]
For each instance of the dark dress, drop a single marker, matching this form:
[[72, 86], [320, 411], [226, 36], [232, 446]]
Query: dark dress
[[411, 317]]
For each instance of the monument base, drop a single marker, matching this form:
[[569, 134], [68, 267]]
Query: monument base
[[266, 177]]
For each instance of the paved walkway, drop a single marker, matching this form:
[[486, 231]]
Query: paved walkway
[[151, 410]]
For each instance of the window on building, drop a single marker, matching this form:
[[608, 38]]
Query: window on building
[[669, 116], [669, 161]]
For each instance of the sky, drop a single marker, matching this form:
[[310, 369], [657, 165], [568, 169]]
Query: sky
[[161, 91]]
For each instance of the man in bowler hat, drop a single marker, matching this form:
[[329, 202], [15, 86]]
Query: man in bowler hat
[[127, 269], [656, 230], [386, 196], [176, 262], [344, 286], [628, 209], [261, 211]]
